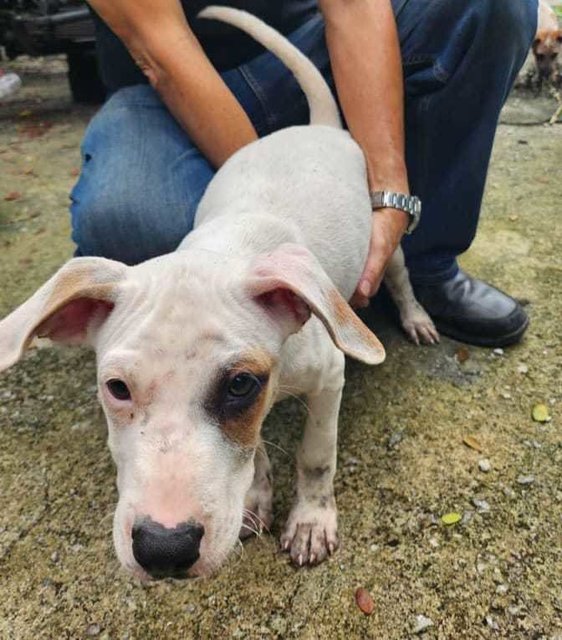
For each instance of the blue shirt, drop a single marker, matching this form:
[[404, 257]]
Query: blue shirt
[[226, 46]]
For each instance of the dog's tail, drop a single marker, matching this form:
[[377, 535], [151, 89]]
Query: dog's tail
[[321, 102]]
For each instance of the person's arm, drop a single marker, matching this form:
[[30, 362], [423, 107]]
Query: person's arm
[[365, 57], [159, 39]]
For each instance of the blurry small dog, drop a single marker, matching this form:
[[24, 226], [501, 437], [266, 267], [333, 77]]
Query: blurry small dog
[[547, 45]]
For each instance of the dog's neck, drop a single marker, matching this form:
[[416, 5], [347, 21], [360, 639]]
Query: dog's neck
[[240, 234]]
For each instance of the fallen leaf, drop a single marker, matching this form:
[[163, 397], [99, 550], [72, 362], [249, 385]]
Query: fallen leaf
[[513, 218], [462, 354], [451, 518], [364, 601], [13, 195], [472, 442], [540, 413]]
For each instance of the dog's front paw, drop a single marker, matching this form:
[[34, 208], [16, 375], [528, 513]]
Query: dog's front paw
[[418, 325], [311, 532]]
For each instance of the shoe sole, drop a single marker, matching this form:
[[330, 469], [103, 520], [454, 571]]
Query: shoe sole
[[481, 341]]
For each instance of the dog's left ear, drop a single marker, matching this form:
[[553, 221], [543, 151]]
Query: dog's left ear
[[78, 297], [290, 284]]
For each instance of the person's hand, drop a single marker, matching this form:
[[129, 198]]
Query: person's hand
[[387, 229]]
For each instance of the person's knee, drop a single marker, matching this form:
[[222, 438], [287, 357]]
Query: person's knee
[[508, 25], [124, 225], [98, 220]]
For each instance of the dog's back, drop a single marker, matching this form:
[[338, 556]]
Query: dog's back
[[304, 184]]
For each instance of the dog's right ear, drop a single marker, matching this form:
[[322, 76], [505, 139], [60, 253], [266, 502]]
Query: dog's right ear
[[76, 299], [290, 284]]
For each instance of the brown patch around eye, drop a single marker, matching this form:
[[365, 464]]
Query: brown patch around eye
[[241, 418], [244, 429]]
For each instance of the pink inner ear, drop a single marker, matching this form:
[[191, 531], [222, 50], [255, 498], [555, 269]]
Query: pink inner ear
[[70, 323], [285, 300]]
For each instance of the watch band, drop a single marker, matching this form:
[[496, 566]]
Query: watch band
[[389, 199]]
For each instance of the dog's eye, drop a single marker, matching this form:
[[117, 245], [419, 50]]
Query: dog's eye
[[243, 385], [118, 389]]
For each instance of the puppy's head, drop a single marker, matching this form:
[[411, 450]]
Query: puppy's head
[[188, 351], [547, 46]]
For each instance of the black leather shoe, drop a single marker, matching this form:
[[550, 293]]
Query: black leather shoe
[[472, 311]]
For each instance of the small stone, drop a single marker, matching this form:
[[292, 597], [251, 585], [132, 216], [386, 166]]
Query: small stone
[[498, 352], [395, 439], [55, 556], [482, 506], [467, 516], [433, 542], [522, 368], [513, 610], [190, 608], [422, 623], [505, 395], [532, 444], [485, 465], [525, 480], [93, 629], [492, 623], [501, 589]]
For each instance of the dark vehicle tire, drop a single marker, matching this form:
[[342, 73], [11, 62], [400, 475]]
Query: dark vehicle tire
[[83, 76]]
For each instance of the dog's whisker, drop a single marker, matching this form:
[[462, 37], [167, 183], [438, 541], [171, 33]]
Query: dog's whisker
[[256, 519], [276, 446], [296, 397]]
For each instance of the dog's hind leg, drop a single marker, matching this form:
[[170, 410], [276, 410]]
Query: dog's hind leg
[[311, 532], [413, 317]]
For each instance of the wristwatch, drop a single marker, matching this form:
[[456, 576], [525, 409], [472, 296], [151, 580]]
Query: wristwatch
[[388, 199]]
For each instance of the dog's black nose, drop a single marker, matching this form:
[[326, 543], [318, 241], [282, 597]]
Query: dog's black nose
[[166, 553]]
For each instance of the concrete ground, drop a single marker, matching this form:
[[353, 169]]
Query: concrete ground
[[402, 462]]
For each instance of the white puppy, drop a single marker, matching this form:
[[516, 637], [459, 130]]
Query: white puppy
[[194, 347]]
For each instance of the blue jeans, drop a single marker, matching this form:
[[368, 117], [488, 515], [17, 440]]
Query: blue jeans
[[142, 177]]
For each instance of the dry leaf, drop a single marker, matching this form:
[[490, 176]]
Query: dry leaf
[[364, 601], [13, 195], [472, 442], [462, 354]]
